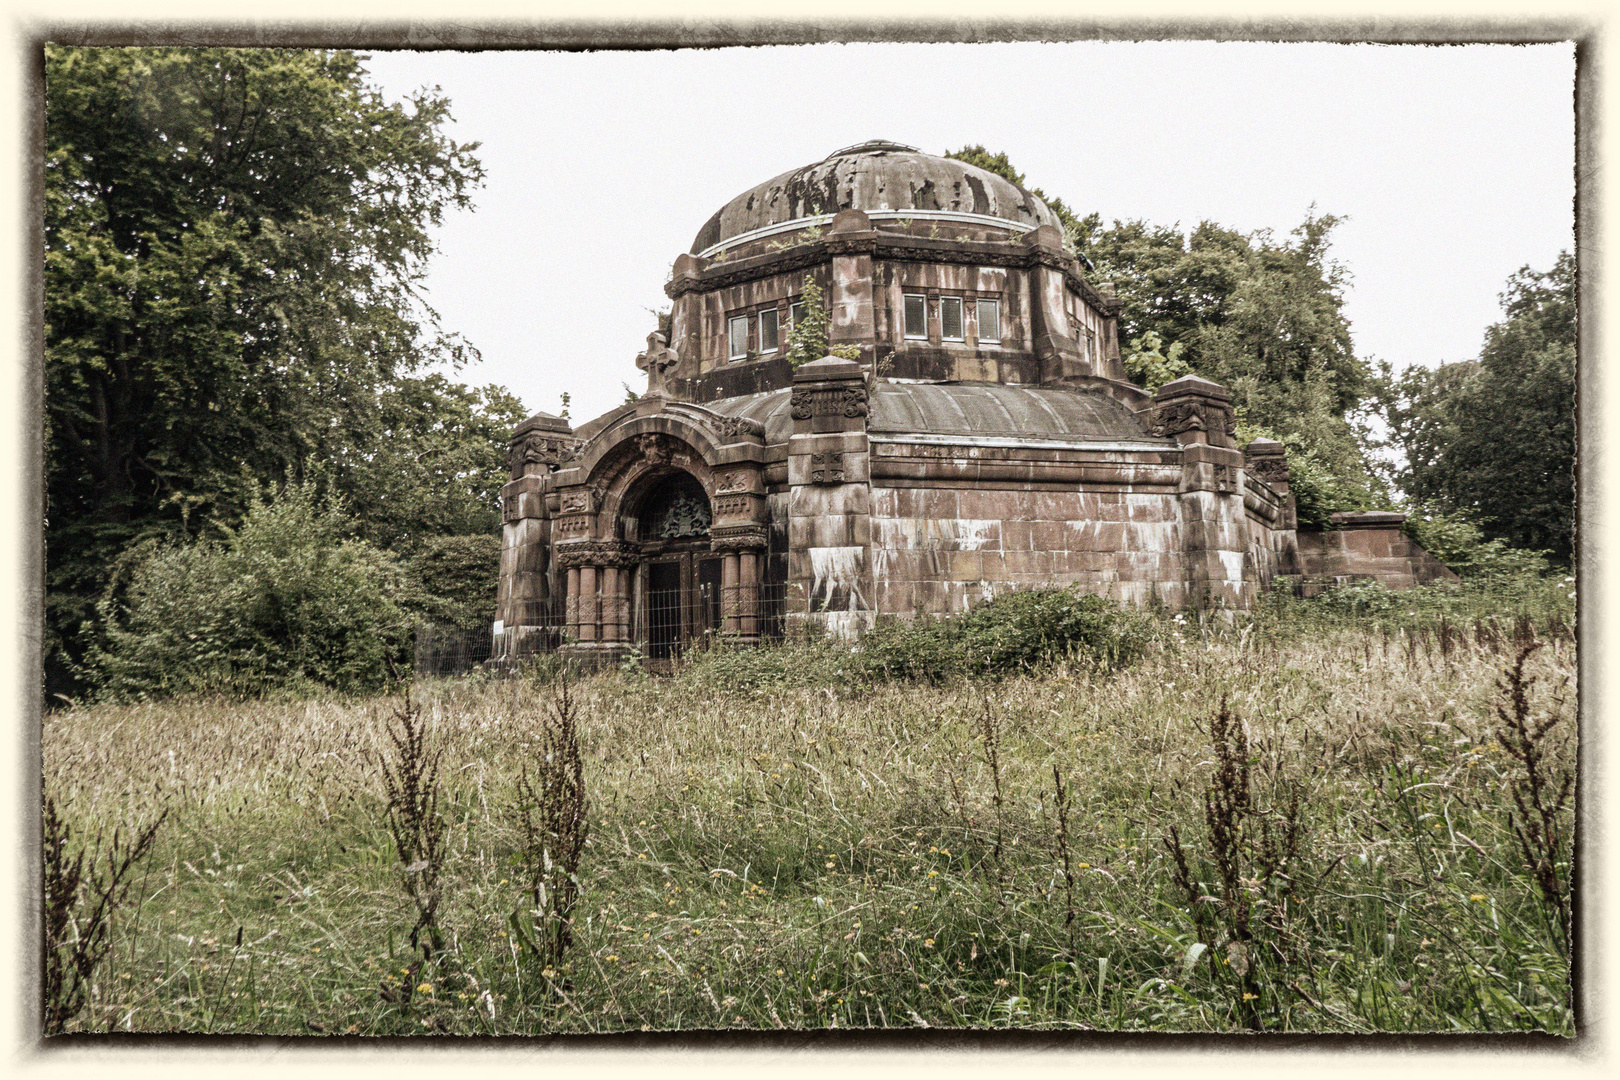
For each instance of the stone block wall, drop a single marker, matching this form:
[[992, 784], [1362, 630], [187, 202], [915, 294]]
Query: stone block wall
[[1369, 544], [937, 551]]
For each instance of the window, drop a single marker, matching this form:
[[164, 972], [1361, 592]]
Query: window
[[795, 312], [738, 326], [950, 318], [916, 316], [768, 328], [989, 321]]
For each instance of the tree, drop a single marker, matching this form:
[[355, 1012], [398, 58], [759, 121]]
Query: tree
[[1262, 316], [807, 340], [1494, 439], [234, 240]]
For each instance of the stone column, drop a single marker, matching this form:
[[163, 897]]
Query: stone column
[[1198, 414], [610, 604], [588, 604], [572, 617], [730, 619], [829, 498], [748, 594]]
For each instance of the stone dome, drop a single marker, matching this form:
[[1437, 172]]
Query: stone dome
[[876, 177]]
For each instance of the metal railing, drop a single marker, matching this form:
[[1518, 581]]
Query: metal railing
[[663, 624]]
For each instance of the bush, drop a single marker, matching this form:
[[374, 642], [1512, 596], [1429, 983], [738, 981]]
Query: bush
[[452, 580], [1458, 542], [284, 602], [1008, 634]]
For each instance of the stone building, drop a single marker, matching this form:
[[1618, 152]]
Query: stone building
[[984, 437]]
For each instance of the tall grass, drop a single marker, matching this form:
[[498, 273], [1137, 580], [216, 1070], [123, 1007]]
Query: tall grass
[[792, 848]]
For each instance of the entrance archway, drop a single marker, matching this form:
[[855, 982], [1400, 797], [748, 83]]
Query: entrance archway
[[679, 581]]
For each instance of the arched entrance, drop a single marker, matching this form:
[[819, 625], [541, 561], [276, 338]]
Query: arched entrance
[[679, 581]]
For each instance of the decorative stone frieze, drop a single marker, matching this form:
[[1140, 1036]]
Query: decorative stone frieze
[[739, 537]]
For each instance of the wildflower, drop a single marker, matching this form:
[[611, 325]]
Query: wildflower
[[933, 873], [1478, 898], [1083, 866], [1001, 982], [928, 942], [425, 988], [1249, 997]]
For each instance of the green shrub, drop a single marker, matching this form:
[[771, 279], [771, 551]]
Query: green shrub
[[1015, 632], [452, 579], [285, 602], [1455, 540]]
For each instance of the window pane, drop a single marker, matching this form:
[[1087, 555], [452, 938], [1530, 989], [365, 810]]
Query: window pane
[[767, 330], [916, 316], [950, 318], [795, 313], [989, 320], [739, 337]]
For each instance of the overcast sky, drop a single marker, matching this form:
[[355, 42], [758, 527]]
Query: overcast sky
[[1452, 165]]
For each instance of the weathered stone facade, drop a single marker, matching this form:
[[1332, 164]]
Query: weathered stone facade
[[986, 438]]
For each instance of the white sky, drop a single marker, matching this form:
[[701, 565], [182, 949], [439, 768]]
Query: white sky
[[1453, 165]]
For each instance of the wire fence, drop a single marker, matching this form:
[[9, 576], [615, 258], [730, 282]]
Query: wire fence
[[663, 624]]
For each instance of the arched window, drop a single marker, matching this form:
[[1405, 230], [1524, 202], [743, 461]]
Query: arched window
[[676, 509]]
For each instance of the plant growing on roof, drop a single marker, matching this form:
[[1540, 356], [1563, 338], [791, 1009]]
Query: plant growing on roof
[[807, 340]]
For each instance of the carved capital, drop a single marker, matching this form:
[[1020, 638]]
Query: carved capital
[[739, 538], [848, 401]]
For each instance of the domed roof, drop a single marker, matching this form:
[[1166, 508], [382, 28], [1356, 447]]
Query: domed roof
[[1045, 413], [875, 177]]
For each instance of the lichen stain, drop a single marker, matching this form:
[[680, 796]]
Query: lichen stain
[[937, 534], [836, 579]]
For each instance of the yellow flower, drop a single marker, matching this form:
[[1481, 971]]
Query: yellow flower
[[933, 873], [1477, 898], [1249, 997], [425, 988], [1083, 866], [928, 942]]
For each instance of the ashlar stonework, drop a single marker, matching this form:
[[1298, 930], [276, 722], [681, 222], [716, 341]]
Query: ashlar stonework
[[986, 438]]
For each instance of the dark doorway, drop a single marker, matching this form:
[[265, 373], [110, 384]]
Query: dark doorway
[[664, 615]]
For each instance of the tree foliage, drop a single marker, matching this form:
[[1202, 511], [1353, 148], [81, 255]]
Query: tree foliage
[[1494, 439], [1261, 315], [234, 243], [288, 601]]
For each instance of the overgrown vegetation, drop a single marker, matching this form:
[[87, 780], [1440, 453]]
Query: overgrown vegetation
[[808, 339], [288, 603], [83, 890], [811, 849]]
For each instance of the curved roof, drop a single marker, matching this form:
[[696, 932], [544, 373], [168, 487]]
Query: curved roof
[[874, 176], [988, 409]]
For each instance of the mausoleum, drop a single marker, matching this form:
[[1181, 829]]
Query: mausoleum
[[984, 437]]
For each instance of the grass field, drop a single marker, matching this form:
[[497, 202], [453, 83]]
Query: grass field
[[774, 844]]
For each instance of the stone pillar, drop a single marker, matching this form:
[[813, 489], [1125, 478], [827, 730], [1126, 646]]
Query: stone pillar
[[829, 498], [730, 620], [1198, 414], [851, 240], [1266, 460], [572, 618], [748, 594], [1055, 347], [588, 604], [610, 604], [526, 589]]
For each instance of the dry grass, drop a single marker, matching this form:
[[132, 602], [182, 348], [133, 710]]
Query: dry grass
[[810, 857]]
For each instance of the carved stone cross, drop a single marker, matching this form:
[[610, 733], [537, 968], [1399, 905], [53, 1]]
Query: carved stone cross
[[657, 362]]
